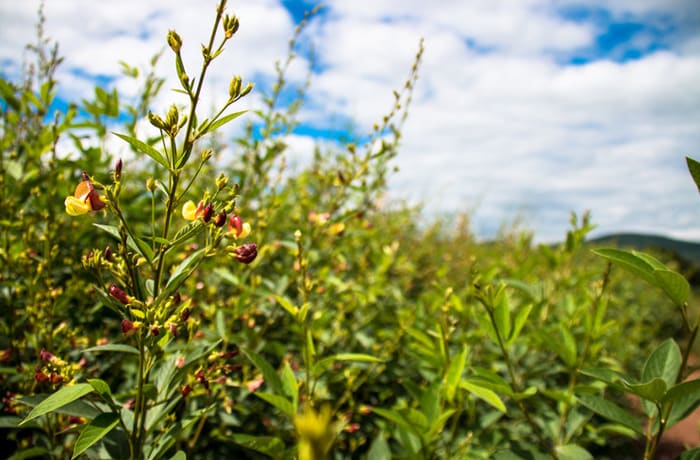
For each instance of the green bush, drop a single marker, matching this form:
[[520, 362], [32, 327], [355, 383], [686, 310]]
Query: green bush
[[173, 306]]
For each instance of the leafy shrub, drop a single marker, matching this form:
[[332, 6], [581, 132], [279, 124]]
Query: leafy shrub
[[175, 306]]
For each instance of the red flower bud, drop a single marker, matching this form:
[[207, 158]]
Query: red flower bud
[[220, 219], [177, 299], [235, 223], [208, 212], [118, 294], [46, 356], [155, 330], [127, 327], [107, 254], [246, 253], [186, 390], [184, 314], [118, 169]]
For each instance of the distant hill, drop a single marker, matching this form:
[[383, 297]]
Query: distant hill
[[687, 253]]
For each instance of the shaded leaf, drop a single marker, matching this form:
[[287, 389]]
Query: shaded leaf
[[611, 411], [94, 431], [62, 397]]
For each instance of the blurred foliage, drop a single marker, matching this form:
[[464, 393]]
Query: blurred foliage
[[363, 329]]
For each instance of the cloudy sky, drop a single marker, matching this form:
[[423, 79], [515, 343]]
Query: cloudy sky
[[524, 108]]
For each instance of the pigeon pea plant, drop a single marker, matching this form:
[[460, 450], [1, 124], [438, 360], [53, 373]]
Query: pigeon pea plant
[[141, 277], [667, 392]]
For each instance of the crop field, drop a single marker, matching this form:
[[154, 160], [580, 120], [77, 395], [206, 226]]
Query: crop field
[[178, 302]]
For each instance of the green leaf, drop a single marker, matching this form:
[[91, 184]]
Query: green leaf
[[142, 147], [137, 245], [287, 305], [674, 285], [111, 347], [454, 373], [182, 272], [269, 373], [652, 390], [692, 454], [267, 445], [222, 121], [179, 455], [629, 261], [519, 322], [694, 168], [280, 402], [94, 431], [501, 316], [684, 389], [664, 362], [62, 397], [102, 388], [31, 452], [395, 417], [612, 412], [379, 450], [572, 452], [356, 357], [485, 394], [289, 384]]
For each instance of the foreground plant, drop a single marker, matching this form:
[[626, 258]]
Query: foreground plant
[[141, 278]]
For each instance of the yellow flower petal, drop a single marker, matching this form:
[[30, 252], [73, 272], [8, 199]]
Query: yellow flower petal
[[189, 211], [245, 230], [76, 206]]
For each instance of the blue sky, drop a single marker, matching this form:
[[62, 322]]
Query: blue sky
[[525, 109]]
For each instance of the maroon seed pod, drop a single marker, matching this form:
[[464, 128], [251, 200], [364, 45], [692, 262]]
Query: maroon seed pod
[[235, 224], [118, 294], [184, 314], [118, 169], [186, 390], [246, 253], [107, 254], [208, 213], [127, 327], [220, 219]]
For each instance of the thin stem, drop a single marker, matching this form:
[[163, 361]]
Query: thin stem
[[516, 386]]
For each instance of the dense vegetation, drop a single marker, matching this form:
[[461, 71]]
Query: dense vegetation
[[166, 305]]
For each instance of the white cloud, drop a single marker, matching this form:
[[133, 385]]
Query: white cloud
[[498, 125]]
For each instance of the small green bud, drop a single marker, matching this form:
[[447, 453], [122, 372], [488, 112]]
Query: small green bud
[[172, 117], [174, 41], [231, 25], [156, 121], [151, 184], [221, 181], [234, 88], [206, 154], [248, 88]]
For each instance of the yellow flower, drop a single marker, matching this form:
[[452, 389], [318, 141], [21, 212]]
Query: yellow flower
[[316, 433], [190, 211], [84, 200]]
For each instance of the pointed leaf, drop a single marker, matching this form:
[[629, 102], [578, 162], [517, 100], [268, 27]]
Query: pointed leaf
[[694, 168], [485, 394], [611, 411], [268, 445], [222, 121], [357, 357], [183, 271], [454, 373], [652, 390], [280, 402], [674, 285], [94, 431], [629, 261], [572, 452], [664, 362], [111, 347], [62, 397], [142, 147], [519, 322], [269, 373]]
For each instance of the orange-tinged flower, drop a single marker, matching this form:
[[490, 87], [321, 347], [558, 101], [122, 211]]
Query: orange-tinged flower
[[84, 200], [237, 228]]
